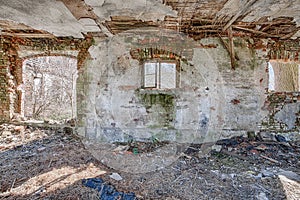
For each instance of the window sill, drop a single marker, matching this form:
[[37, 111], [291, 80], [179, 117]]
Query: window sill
[[156, 91]]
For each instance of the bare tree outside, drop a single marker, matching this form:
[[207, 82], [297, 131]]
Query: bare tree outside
[[50, 87]]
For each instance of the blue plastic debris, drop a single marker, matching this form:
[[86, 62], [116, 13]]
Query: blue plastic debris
[[106, 191], [280, 138]]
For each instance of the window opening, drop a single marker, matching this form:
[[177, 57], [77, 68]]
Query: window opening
[[49, 87], [283, 76], [161, 75]]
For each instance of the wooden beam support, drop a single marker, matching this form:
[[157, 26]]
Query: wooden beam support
[[29, 35], [256, 32], [231, 48]]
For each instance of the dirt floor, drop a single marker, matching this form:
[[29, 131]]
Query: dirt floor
[[38, 162]]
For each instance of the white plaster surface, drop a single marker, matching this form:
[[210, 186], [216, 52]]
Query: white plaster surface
[[48, 15], [204, 108]]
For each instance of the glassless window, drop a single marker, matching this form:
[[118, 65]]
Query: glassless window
[[160, 75]]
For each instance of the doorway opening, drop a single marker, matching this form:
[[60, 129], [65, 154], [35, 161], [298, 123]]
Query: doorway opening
[[49, 88]]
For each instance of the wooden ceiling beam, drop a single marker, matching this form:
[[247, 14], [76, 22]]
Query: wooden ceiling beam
[[256, 32], [29, 35]]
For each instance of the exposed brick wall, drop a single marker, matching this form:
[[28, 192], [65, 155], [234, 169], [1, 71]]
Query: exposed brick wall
[[282, 107], [4, 96], [285, 50], [15, 69], [11, 77]]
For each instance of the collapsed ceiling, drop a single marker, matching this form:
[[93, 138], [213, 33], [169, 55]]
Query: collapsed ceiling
[[278, 19]]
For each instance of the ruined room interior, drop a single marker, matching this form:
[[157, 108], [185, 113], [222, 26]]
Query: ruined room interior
[[149, 99]]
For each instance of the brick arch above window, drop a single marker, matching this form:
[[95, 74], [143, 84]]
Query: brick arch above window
[[143, 54]]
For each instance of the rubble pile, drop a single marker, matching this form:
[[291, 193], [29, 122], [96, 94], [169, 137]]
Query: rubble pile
[[235, 168], [275, 150]]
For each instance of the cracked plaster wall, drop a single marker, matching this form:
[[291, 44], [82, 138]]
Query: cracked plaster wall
[[212, 102]]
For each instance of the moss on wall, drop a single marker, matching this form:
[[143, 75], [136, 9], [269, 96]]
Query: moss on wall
[[159, 104]]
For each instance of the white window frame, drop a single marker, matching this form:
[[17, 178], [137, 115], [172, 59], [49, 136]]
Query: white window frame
[[271, 84], [154, 78]]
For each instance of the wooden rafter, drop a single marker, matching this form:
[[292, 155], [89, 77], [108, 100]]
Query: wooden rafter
[[255, 32], [231, 48], [29, 35]]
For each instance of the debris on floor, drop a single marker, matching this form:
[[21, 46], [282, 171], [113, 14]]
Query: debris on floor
[[49, 162], [116, 176], [44, 162], [136, 147], [277, 152]]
